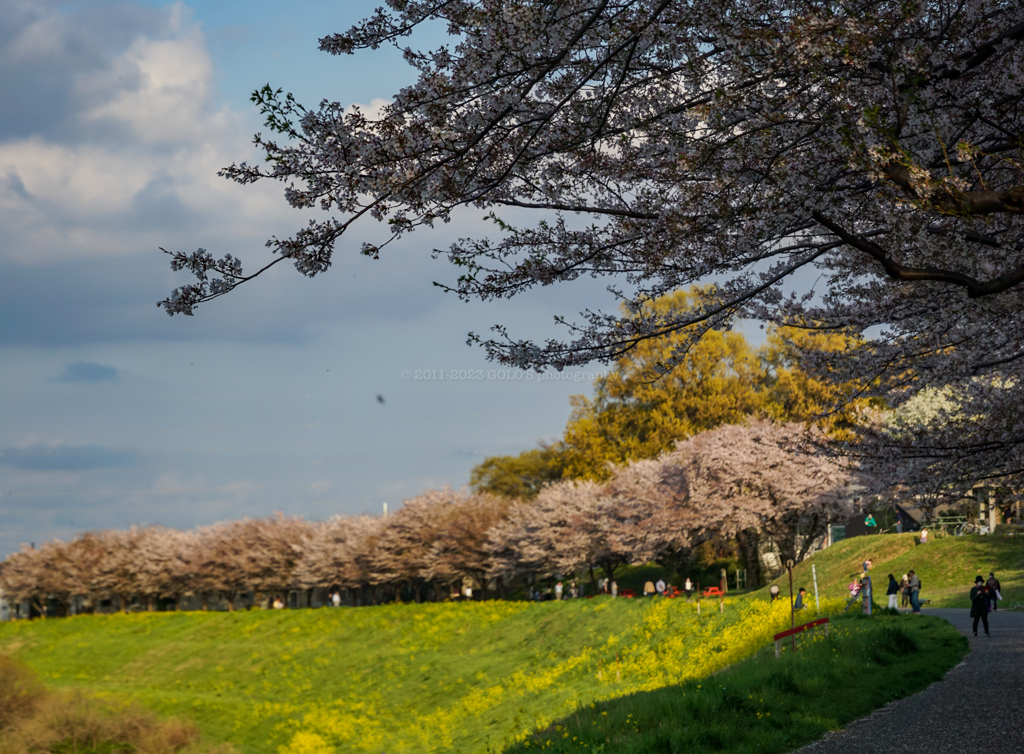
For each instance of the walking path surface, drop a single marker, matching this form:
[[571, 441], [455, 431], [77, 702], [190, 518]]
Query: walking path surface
[[975, 708]]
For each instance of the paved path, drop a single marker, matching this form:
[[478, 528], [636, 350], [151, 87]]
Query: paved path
[[978, 708]]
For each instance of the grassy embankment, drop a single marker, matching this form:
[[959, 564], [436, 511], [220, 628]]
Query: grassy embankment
[[462, 677], [416, 678], [766, 705], [947, 566]]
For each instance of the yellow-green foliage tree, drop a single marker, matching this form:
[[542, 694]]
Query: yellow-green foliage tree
[[520, 476], [642, 407], [798, 396]]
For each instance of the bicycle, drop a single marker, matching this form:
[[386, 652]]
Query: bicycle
[[967, 527]]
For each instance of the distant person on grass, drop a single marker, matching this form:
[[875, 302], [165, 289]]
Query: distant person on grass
[[688, 588], [994, 590], [649, 588], [915, 593], [659, 586], [773, 591], [893, 592], [615, 589], [558, 591], [905, 590], [979, 604], [800, 596]]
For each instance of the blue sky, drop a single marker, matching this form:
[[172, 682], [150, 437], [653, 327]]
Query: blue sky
[[117, 118]]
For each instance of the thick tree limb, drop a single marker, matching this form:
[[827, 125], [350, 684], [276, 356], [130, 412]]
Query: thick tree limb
[[975, 288], [962, 203]]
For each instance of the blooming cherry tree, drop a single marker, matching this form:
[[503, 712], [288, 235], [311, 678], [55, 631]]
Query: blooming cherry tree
[[763, 479], [876, 147]]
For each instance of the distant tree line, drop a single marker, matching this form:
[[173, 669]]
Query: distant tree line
[[751, 482]]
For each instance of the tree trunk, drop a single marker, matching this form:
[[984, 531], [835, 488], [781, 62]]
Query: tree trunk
[[206, 601], [747, 542]]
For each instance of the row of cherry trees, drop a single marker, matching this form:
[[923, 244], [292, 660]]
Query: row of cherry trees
[[749, 482]]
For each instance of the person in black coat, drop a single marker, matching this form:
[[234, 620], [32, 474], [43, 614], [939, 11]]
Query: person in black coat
[[979, 604], [893, 592]]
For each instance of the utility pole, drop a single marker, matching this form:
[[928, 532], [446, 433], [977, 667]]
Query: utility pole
[[792, 610], [814, 573]]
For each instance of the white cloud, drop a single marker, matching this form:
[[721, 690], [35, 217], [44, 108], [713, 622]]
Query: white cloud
[[143, 158], [78, 182], [373, 111], [167, 101]]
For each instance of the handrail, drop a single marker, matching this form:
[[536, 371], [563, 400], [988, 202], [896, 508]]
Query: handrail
[[799, 629]]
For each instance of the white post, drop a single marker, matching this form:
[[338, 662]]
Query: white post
[[385, 510], [814, 573]]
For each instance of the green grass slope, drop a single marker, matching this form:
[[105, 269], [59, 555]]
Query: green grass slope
[[416, 678], [767, 705], [946, 565]]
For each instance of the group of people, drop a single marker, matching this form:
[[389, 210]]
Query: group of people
[[559, 591], [605, 586], [985, 596], [660, 589], [910, 589]]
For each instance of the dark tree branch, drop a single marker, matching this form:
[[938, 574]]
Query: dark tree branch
[[975, 288]]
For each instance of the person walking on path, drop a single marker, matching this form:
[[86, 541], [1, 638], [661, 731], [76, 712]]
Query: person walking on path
[[915, 593], [994, 590], [979, 604], [893, 592]]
